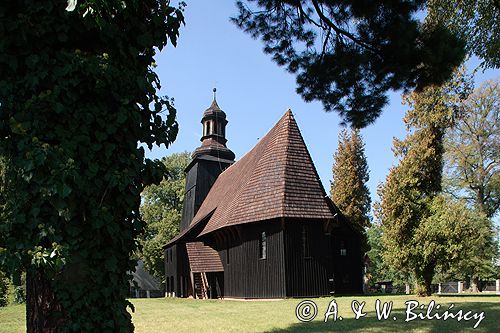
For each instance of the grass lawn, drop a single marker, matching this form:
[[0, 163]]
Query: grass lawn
[[185, 315]]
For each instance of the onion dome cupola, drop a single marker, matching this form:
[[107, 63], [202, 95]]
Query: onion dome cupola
[[213, 141]]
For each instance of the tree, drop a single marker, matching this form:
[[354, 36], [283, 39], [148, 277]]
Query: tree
[[348, 54], [472, 157], [77, 94], [4, 288], [476, 21], [378, 269], [478, 261], [161, 209], [473, 150], [410, 201], [350, 175]]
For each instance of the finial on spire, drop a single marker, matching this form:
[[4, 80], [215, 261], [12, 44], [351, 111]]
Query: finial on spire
[[215, 91]]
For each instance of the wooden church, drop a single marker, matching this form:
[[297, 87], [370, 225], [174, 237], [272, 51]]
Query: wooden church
[[260, 227]]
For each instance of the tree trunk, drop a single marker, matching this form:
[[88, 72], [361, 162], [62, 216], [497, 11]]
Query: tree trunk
[[474, 282], [424, 281], [43, 313]]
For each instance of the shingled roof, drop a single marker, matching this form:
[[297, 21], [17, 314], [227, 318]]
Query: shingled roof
[[203, 258], [277, 178]]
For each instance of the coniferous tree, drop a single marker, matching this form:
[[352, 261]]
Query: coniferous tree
[[348, 54], [410, 197], [350, 175]]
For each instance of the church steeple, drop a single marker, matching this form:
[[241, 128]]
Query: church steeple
[[209, 161], [213, 140]]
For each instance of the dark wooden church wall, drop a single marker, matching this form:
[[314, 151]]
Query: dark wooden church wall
[[307, 276], [248, 276], [177, 268], [170, 259], [348, 268]]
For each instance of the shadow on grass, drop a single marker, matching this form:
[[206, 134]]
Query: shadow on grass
[[369, 323]]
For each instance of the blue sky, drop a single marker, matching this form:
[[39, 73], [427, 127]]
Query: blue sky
[[254, 92]]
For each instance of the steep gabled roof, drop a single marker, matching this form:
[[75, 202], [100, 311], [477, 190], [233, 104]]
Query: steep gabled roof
[[277, 178]]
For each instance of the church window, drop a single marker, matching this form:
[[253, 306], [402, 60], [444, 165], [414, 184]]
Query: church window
[[208, 127], [263, 245], [343, 250]]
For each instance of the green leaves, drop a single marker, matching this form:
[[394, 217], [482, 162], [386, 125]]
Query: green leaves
[[162, 211], [420, 232], [71, 119]]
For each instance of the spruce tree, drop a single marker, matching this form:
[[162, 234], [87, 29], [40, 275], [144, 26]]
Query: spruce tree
[[350, 175]]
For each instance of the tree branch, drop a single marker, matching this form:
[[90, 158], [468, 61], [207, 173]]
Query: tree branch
[[340, 31]]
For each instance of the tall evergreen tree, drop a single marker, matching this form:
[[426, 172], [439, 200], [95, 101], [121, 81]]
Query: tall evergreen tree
[[348, 53], [350, 175], [410, 198]]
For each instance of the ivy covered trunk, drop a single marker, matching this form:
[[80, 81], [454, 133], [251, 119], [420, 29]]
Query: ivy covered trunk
[[78, 96], [43, 312]]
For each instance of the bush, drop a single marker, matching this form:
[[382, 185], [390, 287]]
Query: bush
[[4, 287]]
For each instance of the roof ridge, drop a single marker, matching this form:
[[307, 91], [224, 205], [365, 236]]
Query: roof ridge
[[276, 178], [262, 144], [289, 116]]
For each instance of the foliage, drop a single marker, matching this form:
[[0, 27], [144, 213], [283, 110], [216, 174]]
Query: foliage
[[473, 150], [350, 175], [4, 288], [409, 197], [472, 173], [476, 21], [161, 209], [348, 54], [77, 94], [477, 262], [379, 270]]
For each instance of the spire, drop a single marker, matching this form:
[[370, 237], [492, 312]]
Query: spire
[[214, 133], [214, 106]]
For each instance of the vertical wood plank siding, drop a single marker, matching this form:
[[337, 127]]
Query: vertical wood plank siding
[[348, 268], [199, 180], [307, 276], [248, 276], [285, 272]]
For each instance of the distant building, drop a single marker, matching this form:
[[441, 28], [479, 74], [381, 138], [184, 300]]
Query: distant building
[[143, 284], [261, 227]]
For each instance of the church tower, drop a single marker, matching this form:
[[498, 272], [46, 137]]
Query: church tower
[[208, 161]]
